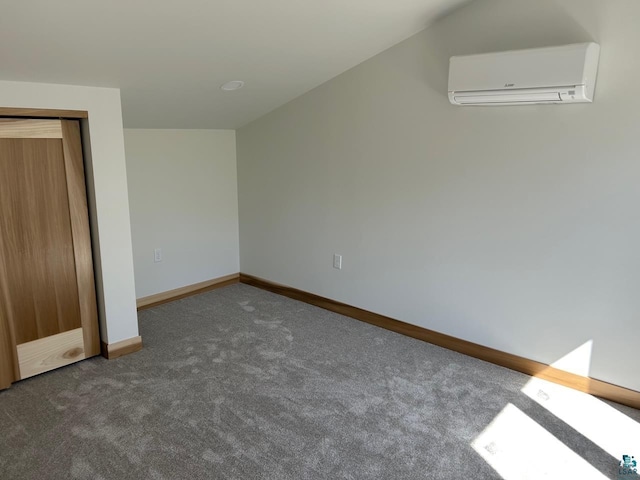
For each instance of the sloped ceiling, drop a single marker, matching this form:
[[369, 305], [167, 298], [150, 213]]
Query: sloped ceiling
[[169, 58]]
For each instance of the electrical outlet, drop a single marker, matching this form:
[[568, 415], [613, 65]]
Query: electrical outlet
[[157, 255], [337, 261]]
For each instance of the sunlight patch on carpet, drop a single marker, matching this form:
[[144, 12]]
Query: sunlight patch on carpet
[[517, 447], [611, 430]]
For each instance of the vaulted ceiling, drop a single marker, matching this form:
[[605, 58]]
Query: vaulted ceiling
[[170, 57]]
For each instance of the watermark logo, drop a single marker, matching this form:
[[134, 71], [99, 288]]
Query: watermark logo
[[628, 467]]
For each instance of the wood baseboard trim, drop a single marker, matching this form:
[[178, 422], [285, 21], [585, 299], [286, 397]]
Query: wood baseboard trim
[[119, 349], [589, 385], [186, 291]]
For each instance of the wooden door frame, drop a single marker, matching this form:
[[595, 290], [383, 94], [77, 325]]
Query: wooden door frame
[[43, 113]]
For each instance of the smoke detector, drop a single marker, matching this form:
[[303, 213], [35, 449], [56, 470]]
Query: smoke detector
[[232, 85]]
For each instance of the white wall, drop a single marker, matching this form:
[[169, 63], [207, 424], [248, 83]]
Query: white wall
[[513, 227], [107, 192], [184, 199]]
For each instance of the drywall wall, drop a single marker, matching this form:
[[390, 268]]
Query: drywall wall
[[512, 227], [183, 196], [107, 193]]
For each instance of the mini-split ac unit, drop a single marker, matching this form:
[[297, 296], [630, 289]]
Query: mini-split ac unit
[[565, 74]]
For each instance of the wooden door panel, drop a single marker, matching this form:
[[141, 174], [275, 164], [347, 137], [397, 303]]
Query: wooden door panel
[[9, 371], [48, 311], [8, 354], [38, 245], [29, 128], [50, 352], [79, 216]]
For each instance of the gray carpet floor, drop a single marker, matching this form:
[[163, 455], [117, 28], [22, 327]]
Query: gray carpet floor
[[240, 383]]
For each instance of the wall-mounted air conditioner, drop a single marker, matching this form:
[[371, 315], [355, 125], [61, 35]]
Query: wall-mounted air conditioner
[[565, 74]]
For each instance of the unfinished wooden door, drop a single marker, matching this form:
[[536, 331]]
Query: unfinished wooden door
[[48, 313]]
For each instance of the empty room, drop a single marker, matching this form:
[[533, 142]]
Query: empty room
[[318, 240]]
